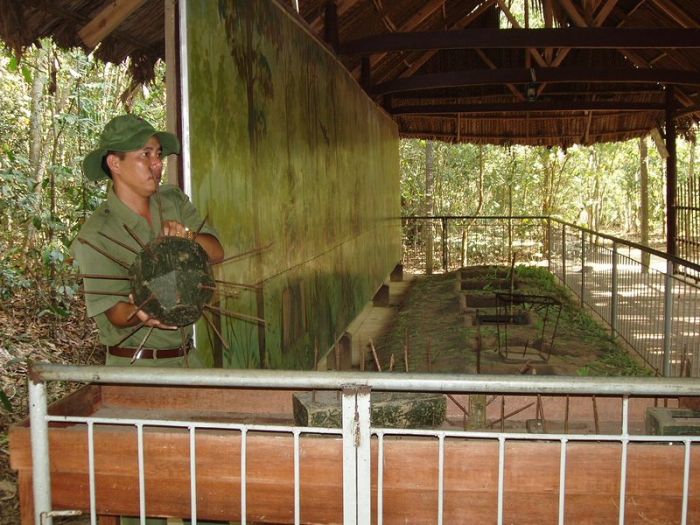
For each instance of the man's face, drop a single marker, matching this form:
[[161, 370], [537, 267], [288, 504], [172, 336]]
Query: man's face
[[141, 169]]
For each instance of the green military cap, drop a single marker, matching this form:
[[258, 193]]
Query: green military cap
[[125, 133]]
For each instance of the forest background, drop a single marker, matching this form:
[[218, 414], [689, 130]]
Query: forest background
[[56, 102]]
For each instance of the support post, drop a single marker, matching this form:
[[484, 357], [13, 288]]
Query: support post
[[671, 178], [365, 73], [330, 26], [668, 316], [357, 477], [41, 472], [613, 298]]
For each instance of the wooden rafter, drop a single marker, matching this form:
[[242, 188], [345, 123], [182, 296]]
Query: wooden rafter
[[578, 37], [107, 20], [343, 7], [416, 20], [533, 52], [460, 24], [547, 106], [675, 13]]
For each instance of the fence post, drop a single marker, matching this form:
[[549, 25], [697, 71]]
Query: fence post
[[357, 472], [583, 266], [41, 470], [563, 253], [613, 298], [445, 255], [668, 316]]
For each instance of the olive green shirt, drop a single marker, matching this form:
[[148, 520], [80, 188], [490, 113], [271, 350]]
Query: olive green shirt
[[105, 228]]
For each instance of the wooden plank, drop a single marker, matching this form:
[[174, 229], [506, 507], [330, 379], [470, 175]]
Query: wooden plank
[[574, 37], [107, 20]]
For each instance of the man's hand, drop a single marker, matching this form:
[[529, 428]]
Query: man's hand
[[123, 315], [175, 229]]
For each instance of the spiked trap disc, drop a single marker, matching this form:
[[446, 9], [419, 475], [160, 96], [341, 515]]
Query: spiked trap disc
[[172, 280]]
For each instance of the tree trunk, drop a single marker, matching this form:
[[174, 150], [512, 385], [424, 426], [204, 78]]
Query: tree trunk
[[644, 201], [429, 186], [36, 157], [479, 205]]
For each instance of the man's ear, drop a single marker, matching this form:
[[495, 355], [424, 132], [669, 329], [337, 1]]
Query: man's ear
[[113, 162]]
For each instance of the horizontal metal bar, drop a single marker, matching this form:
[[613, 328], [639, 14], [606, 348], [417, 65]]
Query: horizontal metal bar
[[303, 380]]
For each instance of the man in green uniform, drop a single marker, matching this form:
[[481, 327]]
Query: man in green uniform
[[137, 210]]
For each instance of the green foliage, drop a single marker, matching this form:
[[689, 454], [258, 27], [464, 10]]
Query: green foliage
[[55, 104]]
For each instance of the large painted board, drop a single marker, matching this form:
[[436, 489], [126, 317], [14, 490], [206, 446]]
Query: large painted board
[[287, 152]]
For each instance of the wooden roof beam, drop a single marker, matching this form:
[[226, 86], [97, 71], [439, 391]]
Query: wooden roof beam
[[533, 52], [525, 76], [537, 106], [579, 38], [107, 20]]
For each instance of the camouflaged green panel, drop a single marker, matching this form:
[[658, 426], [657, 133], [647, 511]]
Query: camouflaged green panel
[[172, 280]]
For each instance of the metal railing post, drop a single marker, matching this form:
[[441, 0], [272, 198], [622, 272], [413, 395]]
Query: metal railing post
[[357, 475], [668, 316], [41, 471], [583, 266], [613, 297], [563, 253], [445, 254]]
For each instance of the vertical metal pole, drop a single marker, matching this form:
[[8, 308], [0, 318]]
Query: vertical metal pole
[[583, 266], [445, 254], [562, 480], [41, 472], [563, 253], [364, 467], [671, 172], [193, 475], [441, 476], [349, 457], [244, 476], [668, 316], [380, 478], [613, 298], [501, 472], [297, 479], [623, 460]]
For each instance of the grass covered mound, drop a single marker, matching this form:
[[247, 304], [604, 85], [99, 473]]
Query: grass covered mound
[[432, 332]]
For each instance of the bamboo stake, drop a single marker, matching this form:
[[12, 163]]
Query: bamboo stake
[[101, 276], [106, 254], [243, 255], [374, 354], [139, 307], [216, 331], [405, 351], [238, 285], [503, 411], [362, 357], [313, 392], [134, 236], [139, 350], [391, 363], [117, 241], [511, 414], [595, 415], [429, 357], [235, 315]]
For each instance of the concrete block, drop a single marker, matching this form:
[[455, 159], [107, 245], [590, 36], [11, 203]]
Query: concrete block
[[672, 422], [397, 273], [381, 298], [389, 409]]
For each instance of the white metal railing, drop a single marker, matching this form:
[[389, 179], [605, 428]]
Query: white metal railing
[[356, 430]]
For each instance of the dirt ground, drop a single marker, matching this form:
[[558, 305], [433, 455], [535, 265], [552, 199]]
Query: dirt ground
[[31, 332], [433, 329]]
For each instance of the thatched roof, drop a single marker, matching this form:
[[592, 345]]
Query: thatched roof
[[596, 70]]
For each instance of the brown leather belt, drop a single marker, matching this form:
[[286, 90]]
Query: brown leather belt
[[148, 353]]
